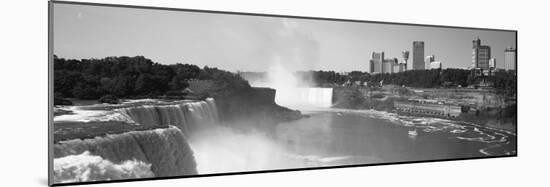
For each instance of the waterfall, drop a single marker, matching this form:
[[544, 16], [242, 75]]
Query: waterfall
[[304, 97], [162, 152], [186, 116], [204, 112]]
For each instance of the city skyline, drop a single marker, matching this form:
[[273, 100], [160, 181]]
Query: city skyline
[[251, 43]]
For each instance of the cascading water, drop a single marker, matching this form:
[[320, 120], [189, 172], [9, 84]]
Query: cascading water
[[186, 116], [304, 97], [164, 151], [204, 112], [294, 91]]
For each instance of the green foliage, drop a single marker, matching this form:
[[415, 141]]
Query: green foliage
[[137, 76], [59, 100], [504, 81], [320, 78]]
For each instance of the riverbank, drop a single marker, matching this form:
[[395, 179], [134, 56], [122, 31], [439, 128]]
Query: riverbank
[[386, 104]]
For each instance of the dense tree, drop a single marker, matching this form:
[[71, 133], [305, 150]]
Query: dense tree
[[504, 81], [131, 77]]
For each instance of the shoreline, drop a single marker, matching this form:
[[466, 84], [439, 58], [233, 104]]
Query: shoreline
[[475, 122]]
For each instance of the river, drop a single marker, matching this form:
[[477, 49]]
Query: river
[[198, 143]]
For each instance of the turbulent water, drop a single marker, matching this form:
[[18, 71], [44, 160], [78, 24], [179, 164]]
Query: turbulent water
[[86, 167], [164, 152], [186, 116], [346, 137], [367, 134], [196, 143], [135, 154]]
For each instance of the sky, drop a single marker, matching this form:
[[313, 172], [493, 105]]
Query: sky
[[252, 43]]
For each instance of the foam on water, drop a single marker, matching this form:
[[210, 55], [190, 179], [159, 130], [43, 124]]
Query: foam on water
[[87, 167], [186, 115], [484, 151], [467, 131], [83, 115], [166, 149]]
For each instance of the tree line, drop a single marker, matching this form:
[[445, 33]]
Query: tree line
[[503, 81], [127, 77]]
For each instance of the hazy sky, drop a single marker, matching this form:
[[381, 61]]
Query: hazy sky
[[251, 43]]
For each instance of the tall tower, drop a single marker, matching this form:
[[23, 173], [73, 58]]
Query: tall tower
[[376, 62], [510, 58], [481, 54], [418, 55], [405, 55]]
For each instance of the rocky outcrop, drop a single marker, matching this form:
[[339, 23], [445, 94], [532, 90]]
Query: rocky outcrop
[[254, 104]]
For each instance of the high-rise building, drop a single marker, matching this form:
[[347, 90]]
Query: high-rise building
[[428, 60], [380, 65], [510, 59], [376, 62], [387, 65], [480, 55], [435, 65], [418, 55]]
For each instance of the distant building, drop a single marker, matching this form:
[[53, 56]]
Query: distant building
[[510, 56], [435, 65], [492, 63], [378, 64], [418, 55], [492, 67], [428, 107], [399, 67], [480, 55], [389, 65], [405, 55], [428, 60]]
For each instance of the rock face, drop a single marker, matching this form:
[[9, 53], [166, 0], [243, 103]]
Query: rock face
[[255, 104], [166, 150]]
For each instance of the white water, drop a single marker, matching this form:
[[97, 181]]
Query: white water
[[166, 150], [293, 91], [219, 148], [86, 167], [186, 116], [300, 98], [162, 152]]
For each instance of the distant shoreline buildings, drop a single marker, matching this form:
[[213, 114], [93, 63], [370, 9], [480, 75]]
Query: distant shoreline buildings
[[510, 55], [481, 54], [379, 64], [482, 61], [418, 55], [429, 59], [405, 55]]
